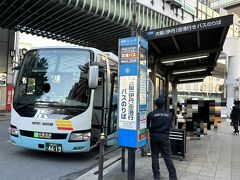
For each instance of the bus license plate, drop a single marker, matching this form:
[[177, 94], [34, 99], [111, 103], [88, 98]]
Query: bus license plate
[[53, 147]]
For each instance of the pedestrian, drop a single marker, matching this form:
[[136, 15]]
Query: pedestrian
[[159, 123], [235, 117]]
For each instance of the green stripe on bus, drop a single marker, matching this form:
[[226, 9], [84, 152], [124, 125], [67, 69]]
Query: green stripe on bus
[[35, 135]]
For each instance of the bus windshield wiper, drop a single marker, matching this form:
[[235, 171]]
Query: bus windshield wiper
[[57, 104], [37, 102], [24, 105], [52, 104], [48, 103]]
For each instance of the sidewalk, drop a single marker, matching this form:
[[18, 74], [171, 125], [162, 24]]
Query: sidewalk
[[214, 157], [4, 116]]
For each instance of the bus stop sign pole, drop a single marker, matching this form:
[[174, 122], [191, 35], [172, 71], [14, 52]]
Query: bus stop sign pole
[[132, 151], [132, 97]]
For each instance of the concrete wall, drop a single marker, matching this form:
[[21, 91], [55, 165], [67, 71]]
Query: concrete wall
[[232, 50], [3, 50], [6, 44], [157, 6]]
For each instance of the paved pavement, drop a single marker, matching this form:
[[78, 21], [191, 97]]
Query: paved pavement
[[214, 157], [22, 164], [4, 116]]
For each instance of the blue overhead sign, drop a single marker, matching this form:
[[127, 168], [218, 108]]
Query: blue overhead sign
[[129, 41], [132, 90]]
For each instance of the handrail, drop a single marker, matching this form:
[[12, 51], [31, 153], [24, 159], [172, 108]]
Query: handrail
[[112, 150], [96, 172], [102, 142]]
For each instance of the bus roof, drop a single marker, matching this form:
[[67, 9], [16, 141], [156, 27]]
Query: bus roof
[[109, 54], [66, 47], [112, 56]]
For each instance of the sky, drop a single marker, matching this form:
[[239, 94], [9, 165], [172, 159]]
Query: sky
[[37, 41]]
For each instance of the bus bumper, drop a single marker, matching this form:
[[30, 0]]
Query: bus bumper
[[40, 144]]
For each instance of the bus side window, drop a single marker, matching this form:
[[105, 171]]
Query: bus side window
[[98, 93], [98, 102], [113, 109]]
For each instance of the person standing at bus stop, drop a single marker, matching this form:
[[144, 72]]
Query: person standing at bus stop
[[235, 117], [159, 123]]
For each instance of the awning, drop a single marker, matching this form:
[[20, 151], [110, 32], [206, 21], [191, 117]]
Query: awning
[[94, 23], [189, 52]]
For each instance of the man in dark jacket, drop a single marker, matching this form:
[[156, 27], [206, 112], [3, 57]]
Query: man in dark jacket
[[159, 123], [235, 117]]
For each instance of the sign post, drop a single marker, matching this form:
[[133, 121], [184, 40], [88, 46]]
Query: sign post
[[132, 103]]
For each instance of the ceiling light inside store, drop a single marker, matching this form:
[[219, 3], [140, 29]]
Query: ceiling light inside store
[[191, 79], [186, 58], [190, 71]]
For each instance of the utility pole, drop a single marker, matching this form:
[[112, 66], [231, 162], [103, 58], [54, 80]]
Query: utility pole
[[130, 133], [132, 151], [134, 18]]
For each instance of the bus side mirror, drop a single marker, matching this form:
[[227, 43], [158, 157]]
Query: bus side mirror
[[93, 77], [14, 79]]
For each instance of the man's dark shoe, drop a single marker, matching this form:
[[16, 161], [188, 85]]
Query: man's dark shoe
[[156, 177]]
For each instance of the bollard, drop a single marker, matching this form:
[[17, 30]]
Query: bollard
[[101, 156], [123, 160], [142, 152]]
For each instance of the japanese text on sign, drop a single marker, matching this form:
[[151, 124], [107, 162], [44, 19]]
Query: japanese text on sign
[[129, 55], [128, 91], [186, 28]]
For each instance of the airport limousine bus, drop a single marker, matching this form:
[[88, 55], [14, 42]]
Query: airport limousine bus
[[64, 97]]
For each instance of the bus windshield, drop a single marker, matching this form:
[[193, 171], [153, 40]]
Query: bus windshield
[[52, 77]]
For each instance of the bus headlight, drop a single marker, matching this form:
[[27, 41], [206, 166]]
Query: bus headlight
[[13, 131], [76, 136]]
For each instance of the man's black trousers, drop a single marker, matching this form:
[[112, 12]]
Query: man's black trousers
[[235, 125], [160, 144]]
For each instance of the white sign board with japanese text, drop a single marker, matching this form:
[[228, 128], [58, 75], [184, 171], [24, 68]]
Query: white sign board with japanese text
[[128, 95]]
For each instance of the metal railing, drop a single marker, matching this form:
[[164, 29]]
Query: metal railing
[[101, 143]]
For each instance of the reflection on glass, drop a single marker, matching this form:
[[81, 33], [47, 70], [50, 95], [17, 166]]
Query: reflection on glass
[[53, 76]]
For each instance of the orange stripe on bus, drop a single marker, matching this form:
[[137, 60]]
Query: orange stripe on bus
[[64, 124], [65, 128]]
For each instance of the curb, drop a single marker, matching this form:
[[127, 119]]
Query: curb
[[90, 174]]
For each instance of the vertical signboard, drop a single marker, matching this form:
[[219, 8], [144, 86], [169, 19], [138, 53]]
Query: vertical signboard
[[9, 97], [142, 128], [132, 92]]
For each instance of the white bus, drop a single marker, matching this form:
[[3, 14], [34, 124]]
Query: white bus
[[63, 97]]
